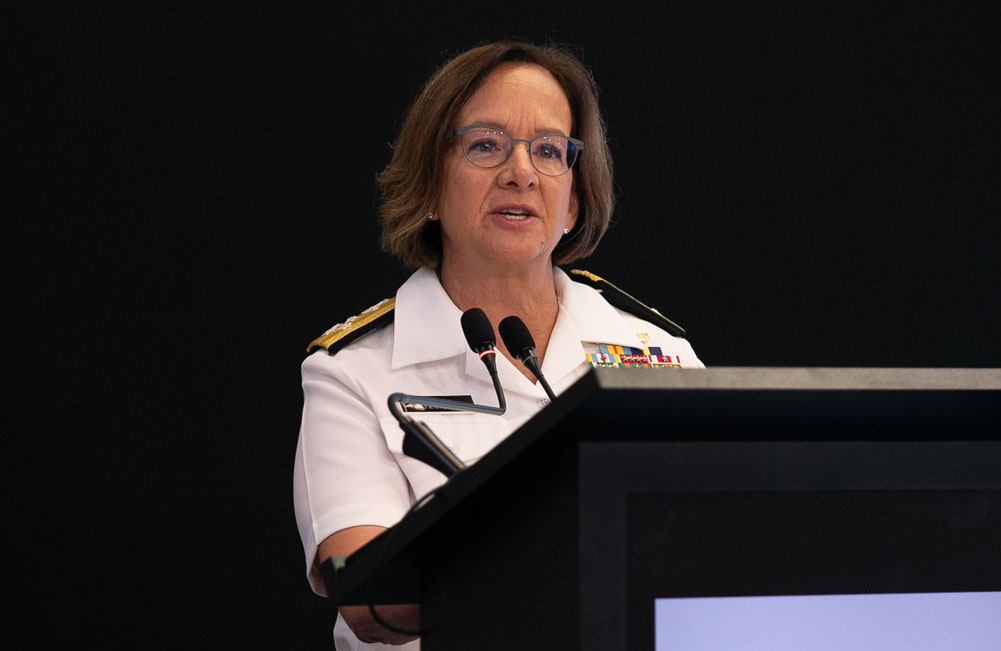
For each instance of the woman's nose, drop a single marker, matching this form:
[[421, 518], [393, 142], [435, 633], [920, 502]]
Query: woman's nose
[[518, 168]]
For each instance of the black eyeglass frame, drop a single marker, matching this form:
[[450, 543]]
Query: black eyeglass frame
[[578, 145]]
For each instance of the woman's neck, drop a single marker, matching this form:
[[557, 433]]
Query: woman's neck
[[529, 294]]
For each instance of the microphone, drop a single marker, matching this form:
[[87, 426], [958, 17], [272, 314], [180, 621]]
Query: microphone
[[480, 337], [418, 439], [519, 343]]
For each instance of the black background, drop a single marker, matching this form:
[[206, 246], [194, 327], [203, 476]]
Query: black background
[[799, 184]]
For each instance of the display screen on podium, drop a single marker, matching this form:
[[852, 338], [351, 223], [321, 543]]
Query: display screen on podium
[[959, 621], [815, 570]]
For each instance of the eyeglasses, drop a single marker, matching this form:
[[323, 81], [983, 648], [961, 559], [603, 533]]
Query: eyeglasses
[[551, 154]]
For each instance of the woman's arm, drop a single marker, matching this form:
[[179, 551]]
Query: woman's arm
[[359, 618], [348, 484]]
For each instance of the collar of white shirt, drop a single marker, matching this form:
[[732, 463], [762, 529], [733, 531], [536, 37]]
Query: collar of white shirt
[[427, 329]]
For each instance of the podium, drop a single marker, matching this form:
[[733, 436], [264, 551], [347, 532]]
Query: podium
[[644, 484]]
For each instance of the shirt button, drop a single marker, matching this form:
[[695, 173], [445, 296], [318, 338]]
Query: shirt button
[[543, 402]]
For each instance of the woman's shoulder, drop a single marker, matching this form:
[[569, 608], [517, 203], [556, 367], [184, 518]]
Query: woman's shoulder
[[354, 328], [625, 302], [638, 331]]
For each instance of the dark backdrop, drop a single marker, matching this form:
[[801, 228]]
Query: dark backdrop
[[799, 184]]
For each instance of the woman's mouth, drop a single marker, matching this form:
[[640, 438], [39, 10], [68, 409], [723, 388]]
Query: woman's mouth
[[513, 214]]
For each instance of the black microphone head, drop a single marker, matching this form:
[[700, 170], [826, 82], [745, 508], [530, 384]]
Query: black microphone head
[[479, 333], [516, 337]]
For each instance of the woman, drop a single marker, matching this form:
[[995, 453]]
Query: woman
[[500, 171]]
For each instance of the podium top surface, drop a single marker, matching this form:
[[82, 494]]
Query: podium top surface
[[803, 378], [777, 403]]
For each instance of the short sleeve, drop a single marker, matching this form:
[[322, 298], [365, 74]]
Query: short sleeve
[[345, 475]]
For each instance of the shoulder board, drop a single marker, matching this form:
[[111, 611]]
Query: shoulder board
[[625, 302], [354, 328]]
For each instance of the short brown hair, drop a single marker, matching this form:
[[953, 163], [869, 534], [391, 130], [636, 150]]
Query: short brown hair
[[410, 183]]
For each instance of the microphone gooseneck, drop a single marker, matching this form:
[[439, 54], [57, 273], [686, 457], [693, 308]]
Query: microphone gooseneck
[[480, 337], [519, 343], [418, 439]]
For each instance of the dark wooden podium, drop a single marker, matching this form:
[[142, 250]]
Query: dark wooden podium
[[639, 484]]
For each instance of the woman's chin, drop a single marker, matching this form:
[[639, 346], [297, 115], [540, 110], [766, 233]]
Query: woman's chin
[[506, 249], [515, 256]]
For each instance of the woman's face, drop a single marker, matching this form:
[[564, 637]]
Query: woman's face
[[512, 214]]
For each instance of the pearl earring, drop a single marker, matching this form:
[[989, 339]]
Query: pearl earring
[[566, 231], [430, 216]]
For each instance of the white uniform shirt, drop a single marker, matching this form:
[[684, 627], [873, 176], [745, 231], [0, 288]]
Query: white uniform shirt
[[350, 469]]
